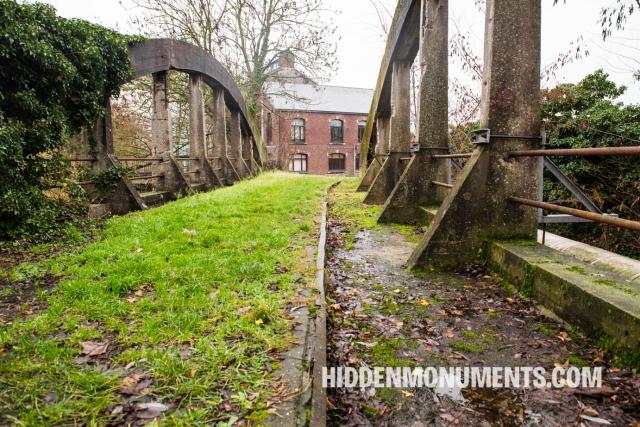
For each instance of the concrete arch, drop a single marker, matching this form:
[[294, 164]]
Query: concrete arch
[[156, 55]]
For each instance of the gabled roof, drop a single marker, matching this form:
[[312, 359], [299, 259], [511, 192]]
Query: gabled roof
[[319, 98]]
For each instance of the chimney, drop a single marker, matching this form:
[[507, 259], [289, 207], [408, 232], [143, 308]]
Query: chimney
[[286, 60]]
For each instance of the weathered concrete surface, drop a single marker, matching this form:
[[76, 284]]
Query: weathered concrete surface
[[383, 315], [303, 362], [197, 131], [219, 136], [415, 185], [598, 301], [402, 45], [399, 135], [235, 146], [161, 129], [372, 171], [477, 209], [626, 267], [380, 153]]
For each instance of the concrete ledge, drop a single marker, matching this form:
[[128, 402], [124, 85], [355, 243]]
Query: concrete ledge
[[157, 197], [302, 364], [428, 213], [600, 302]]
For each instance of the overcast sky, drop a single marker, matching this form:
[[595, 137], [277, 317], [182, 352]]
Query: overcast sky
[[361, 47]]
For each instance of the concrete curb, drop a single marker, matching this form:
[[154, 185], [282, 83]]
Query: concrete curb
[[319, 393], [302, 364]]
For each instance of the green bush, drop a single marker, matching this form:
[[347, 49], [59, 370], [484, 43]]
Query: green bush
[[55, 76], [587, 115]]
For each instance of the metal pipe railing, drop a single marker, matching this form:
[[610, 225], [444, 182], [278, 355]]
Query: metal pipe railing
[[592, 216], [584, 152], [139, 159], [141, 178], [452, 156], [442, 184], [81, 159]]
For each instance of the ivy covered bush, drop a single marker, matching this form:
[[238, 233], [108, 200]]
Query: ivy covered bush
[[584, 115], [55, 75]]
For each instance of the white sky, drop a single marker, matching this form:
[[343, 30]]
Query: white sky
[[361, 47]]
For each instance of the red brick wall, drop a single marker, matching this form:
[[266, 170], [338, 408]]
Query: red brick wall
[[317, 144]]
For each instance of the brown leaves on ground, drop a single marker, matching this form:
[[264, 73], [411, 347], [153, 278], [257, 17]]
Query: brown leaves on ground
[[94, 348]]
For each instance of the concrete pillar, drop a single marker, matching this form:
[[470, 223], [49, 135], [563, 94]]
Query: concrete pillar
[[476, 209], [161, 131], [415, 189], [381, 151], [400, 124], [399, 135], [197, 135], [247, 154], [219, 136], [234, 153]]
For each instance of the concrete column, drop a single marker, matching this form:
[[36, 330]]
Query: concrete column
[[247, 154], [381, 151], [415, 191], [400, 124], [399, 135], [197, 138], [235, 144], [476, 209], [219, 137], [383, 137], [161, 130]]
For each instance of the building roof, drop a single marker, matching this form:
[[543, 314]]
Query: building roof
[[319, 98]]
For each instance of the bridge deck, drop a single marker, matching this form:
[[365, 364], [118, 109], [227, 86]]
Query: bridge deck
[[382, 315]]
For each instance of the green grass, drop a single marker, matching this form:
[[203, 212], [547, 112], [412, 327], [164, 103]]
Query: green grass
[[348, 205], [194, 292]]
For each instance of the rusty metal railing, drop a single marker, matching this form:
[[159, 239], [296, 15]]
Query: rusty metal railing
[[566, 214]]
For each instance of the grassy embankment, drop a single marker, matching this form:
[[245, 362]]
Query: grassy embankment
[[176, 312]]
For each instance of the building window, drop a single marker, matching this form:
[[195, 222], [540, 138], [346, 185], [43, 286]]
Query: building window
[[297, 131], [362, 125], [269, 129], [357, 162], [337, 162], [299, 163], [336, 132]]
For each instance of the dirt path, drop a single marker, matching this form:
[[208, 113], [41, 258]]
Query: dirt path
[[380, 315]]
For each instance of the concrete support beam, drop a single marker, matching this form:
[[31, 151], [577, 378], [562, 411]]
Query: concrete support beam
[[415, 189], [399, 135], [197, 131], [247, 155], [234, 153], [476, 209], [219, 136], [161, 135], [125, 197], [380, 154]]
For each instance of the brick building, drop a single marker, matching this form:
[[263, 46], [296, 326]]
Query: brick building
[[312, 128]]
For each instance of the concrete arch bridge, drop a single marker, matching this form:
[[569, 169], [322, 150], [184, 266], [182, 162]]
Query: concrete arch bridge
[[213, 161]]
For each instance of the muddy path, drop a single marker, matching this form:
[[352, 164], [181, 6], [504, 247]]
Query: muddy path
[[380, 315]]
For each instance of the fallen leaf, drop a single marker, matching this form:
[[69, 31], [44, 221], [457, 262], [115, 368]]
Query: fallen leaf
[[424, 302], [133, 385], [94, 348], [150, 410], [449, 333], [563, 336], [595, 420], [407, 394], [259, 322]]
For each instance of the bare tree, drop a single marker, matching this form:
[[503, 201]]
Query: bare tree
[[195, 21], [248, 36]]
